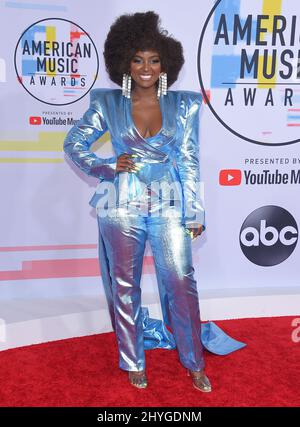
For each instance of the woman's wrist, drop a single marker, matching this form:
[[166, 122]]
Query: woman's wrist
[[195, 225]]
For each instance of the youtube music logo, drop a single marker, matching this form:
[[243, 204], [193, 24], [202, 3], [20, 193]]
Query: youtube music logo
[[230, 177], [35, 120]]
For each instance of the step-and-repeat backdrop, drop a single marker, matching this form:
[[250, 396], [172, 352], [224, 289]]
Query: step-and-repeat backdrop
[[242, 55]]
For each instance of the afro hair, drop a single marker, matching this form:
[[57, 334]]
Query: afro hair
[[140, 32]]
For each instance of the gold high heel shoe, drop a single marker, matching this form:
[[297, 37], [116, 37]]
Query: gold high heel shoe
[[138, 379], [200, 380]]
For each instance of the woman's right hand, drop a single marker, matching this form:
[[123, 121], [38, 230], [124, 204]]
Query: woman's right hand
[[125, 164]]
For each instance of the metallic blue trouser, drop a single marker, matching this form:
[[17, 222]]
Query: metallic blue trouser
[[124, 235]]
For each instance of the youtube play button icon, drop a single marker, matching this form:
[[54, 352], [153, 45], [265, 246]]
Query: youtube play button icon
[[35, 120], [230, 177]]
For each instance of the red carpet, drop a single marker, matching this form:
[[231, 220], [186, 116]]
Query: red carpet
[[84, 372]]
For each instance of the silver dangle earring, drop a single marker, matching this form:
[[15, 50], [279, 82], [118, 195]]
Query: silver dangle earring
[[126, 85], [162, 85]]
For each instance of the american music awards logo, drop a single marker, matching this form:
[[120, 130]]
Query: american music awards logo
[[254, 73], [56, 61]]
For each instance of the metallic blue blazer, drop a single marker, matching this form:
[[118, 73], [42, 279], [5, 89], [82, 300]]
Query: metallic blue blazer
[[171, 156]]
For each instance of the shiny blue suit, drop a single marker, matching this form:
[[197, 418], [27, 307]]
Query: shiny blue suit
[[137, 207]]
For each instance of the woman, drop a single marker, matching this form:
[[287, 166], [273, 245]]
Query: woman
[[153, 183]]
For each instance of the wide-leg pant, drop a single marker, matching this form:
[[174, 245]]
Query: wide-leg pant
[[124, 235]]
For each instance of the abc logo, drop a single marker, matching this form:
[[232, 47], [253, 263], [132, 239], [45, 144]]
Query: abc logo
[[268, 235]]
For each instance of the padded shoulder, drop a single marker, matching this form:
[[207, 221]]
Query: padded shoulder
[[190, 96], [98, 95]]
